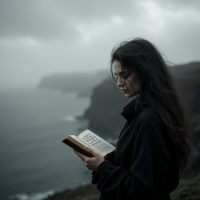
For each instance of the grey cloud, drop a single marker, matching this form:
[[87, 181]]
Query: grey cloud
[[90, 9], [47, 18], [44, 19], [64, 49], [34, 19], [179, 4]]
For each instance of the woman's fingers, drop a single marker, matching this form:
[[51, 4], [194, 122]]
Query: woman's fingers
[[92, 163], [80, 155]]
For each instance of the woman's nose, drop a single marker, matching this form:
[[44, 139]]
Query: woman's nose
[[120, 82]]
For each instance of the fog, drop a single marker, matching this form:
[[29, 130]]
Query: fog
[[38, 38]]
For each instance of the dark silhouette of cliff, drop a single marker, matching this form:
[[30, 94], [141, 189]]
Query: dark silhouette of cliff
[[81, 82]]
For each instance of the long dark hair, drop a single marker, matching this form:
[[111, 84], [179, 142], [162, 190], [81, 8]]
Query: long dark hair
[[140, 57]]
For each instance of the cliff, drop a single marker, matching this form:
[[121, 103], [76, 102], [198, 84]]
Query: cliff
[[81, 82]]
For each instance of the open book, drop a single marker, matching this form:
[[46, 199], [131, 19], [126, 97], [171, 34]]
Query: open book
[[89, 139]]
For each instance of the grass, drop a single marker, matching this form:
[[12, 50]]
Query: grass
[[186, 190], [84, 192]]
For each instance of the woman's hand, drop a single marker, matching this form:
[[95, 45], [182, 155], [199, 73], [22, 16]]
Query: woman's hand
[[92, 163]]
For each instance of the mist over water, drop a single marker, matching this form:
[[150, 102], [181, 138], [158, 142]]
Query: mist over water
[[33, 158]]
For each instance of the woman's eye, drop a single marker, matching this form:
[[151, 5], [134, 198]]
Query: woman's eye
[[125, 77]]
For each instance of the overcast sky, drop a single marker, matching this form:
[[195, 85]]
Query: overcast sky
[[41, 37]]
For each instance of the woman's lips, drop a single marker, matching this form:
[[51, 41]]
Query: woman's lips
[[124, 91]]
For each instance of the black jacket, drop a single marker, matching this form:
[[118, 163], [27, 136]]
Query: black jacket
[[145, 164]]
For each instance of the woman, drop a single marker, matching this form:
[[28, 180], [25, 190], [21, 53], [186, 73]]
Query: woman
[[154, 143]]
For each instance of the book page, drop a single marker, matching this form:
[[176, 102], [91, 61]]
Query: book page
[[96, 142], [86, 144], [81, 141]]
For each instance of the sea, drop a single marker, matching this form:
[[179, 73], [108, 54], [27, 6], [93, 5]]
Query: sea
[[34, 163]]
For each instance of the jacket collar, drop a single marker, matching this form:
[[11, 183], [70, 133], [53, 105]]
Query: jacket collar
[[132, 109]]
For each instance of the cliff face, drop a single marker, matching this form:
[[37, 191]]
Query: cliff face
[[189, 76], [106, 105], [104, 112]]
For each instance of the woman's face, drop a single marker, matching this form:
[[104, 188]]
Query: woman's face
[[128, 82]]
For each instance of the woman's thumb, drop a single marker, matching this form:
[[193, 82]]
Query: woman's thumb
[[89, 150]]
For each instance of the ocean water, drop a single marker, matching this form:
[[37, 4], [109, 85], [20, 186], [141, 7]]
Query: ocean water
[[33, 161]]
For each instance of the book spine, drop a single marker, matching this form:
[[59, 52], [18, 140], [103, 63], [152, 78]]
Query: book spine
[[76, 147]]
